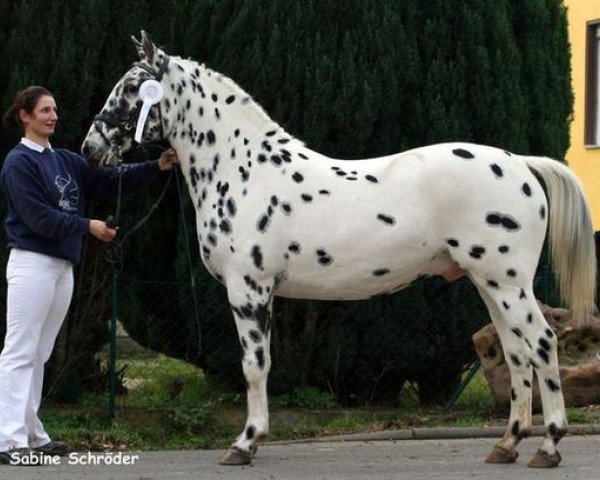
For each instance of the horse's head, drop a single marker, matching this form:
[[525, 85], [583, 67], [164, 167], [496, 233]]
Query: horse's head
[[133, 112]]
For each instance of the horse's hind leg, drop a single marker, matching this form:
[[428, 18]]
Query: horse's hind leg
[[527, 341], [545, 362], [252, 304], [515, 351]]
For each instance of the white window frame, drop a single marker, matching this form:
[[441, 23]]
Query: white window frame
[[592, 86], [596, 139]]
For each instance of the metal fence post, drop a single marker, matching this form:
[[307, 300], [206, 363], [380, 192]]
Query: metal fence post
[[112, 368]]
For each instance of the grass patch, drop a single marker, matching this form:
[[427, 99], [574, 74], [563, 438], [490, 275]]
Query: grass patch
[[171, 405]]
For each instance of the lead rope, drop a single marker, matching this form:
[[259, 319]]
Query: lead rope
[[114, 251], [189, 259], [113, 220]]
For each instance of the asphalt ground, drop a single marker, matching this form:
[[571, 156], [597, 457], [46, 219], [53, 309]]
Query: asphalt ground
[[450, 458]]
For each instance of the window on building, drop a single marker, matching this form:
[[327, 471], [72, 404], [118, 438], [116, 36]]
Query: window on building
[[592, 94]]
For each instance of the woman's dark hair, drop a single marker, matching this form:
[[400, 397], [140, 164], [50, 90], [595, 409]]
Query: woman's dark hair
[[25, 99]]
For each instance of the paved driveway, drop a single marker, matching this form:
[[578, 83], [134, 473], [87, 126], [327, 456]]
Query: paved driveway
[[452, 459]]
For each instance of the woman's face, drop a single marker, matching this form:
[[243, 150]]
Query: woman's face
[[41, 122]]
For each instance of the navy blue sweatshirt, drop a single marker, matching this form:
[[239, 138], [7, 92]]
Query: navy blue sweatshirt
[[47, 193]]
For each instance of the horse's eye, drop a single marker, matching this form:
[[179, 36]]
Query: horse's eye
[[129, 89]]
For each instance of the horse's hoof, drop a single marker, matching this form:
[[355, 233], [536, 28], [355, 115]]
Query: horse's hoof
[[543, 459], [502, 455], [237, 456]]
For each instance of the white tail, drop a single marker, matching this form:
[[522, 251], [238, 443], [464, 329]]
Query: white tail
[[571, 236]]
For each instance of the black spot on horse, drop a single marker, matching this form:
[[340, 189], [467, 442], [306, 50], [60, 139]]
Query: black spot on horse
[[497, 170], [452, 242], [286, 207], [324, 192], [225, 226], [515, 360], [493, 284], [302, 156], [552, 385], [306, 197], [212, 239], [526, 189], [515, 428], [476, 252], [459, 152], [262, 317], [231, 207], [556, 433], [517, 332], [260, 357], [371, 178], [511, 272], [543, 212], [324, 258], [250, 431], [263, 223], [499, 219], [294, 247], [255, 336], [381, 271], [387, 219], [194, 177], [257, 257], [230, 99], [543, 354], [503, 249], [544, 344], [214, 97], [297, 177], [211, 137], [522, 295]]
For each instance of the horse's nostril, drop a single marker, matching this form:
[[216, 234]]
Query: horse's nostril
[[86, 151]]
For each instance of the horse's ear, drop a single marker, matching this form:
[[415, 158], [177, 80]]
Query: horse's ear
[[145, 48], [138, 46]]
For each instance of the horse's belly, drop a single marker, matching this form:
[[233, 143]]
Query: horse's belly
[[360, 289], [350, 282]]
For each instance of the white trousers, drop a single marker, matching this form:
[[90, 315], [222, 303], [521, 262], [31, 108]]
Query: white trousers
[[40, 288]]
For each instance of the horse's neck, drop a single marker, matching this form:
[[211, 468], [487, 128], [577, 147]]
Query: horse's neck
[[212, 114]]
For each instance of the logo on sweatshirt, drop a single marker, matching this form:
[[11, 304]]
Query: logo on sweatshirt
[[69, 193]]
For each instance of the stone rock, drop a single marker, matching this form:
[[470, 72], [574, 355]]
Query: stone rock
[[578, 358]]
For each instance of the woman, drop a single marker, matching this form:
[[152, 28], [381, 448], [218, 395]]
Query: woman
[[46, 191]]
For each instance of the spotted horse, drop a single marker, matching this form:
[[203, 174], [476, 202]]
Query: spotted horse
[[276, 218]]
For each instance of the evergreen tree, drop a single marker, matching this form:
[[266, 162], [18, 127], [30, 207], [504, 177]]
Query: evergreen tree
[[352, 78]]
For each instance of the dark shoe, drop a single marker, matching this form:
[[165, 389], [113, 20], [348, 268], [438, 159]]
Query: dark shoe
[[53, 448], [21, 457]]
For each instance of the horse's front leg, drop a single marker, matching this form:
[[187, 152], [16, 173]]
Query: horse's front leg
[[251, 304]]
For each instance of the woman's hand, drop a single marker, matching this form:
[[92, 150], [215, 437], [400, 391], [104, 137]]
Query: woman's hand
[[101, 231], [168, 159]]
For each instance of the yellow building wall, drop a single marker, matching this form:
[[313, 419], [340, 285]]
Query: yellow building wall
[[585, 162]]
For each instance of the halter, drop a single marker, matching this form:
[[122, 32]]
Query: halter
[[112, 120], [125, 126]]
